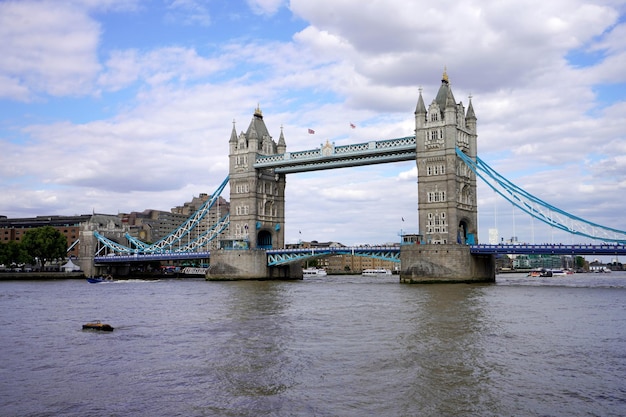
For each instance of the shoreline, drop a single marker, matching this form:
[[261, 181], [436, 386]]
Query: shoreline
[[24, 276]]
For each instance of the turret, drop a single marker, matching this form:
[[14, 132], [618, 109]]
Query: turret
[[256, 131], [470, 117], [232, 142], [420, 112], [449, 113], [282, 145]]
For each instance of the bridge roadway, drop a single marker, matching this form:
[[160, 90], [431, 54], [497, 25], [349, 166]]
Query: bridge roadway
[[390, 253], [551, 249]]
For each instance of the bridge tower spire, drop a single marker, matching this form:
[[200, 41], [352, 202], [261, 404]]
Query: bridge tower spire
[[447, 206], [257, 196]]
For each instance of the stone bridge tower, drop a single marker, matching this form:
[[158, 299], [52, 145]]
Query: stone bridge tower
[[448, 213], [257, 209], [257, 197], [447, 208]]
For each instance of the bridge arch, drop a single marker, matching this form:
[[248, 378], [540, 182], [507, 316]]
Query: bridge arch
[[462, 231], [264, 239]]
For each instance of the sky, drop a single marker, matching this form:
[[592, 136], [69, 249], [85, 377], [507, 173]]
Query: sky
[[113, 106]]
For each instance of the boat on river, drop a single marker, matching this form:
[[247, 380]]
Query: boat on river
[[548, 273], [97, 280], [98, 325], [314, 272], [376, 272]]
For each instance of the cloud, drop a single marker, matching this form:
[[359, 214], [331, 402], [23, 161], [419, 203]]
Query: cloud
[[159, 66], [47, 48], [189, 12], [395, 39], [265, 7]]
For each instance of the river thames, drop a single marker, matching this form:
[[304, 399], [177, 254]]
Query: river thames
[[328, 346]]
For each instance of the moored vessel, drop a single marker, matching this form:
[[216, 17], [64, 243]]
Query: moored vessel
[[313, 272], [376, 272]]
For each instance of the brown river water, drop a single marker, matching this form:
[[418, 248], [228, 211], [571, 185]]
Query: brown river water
[[327, 346]]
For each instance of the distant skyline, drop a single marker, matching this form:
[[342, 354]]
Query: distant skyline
[[124, 105]]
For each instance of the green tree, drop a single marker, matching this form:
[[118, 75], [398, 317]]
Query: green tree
[[44, 243], [13, 253]]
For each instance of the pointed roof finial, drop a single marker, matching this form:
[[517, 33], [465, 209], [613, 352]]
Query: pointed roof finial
[[470, 110], [233, 134], [257, 111], [444, 78], [420, 108], [281, 139]]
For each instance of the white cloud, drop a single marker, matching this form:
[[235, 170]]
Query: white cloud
[[190, 12], [159, 66], [265, 7], [47, 48]]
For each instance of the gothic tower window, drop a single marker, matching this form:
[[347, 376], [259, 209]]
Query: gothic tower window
[[436, 223], [436, 196], [465, 196]]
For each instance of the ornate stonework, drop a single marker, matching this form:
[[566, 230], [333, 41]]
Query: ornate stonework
[[447, 206]]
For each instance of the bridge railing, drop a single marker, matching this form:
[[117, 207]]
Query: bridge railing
[[551, 249], [139, 257], [356, 149], [285, 256]]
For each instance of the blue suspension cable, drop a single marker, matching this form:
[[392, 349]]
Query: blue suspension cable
[[532, 205]]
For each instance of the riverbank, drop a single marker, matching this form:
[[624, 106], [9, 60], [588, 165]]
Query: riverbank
[[25, 276]]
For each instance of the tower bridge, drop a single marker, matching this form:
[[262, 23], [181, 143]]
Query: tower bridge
[[444, 146]]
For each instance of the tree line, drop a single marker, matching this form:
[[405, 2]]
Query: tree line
[[37, 247]]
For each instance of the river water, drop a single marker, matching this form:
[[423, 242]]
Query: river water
[[331, 346]]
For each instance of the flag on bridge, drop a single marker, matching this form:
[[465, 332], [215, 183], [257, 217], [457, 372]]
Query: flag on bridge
[[311, 132]]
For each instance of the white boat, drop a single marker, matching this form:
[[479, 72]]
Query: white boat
[[558, 273], [376, 272], [313, 272]]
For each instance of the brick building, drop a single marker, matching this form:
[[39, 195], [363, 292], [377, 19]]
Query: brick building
[[12, 230]]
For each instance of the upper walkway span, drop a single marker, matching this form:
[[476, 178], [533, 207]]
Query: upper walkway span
[[330, 156]]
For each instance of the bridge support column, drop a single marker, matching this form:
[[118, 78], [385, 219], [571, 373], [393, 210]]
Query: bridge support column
[[450, 263], [87, 249], [233, 265]]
